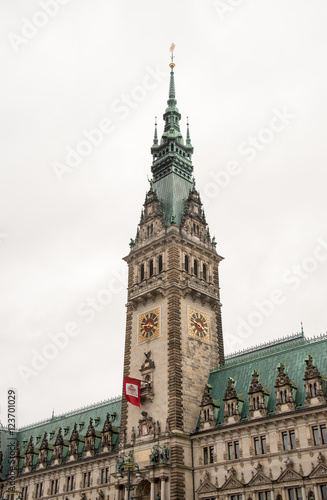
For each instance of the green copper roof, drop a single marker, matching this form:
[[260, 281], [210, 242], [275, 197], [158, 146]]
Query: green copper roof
[[291, 351], [172, 167], [81, 417]]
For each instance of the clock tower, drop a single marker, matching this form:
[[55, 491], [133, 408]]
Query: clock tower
[[173, 327]]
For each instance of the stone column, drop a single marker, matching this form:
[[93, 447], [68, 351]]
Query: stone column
[[163, 488], [316, 492], [126, 493], [152, 489]]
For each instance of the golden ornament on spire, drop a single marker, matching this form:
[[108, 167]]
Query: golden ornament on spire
[[172, 64]]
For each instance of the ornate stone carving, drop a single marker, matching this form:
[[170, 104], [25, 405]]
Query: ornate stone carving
[[146, 370]]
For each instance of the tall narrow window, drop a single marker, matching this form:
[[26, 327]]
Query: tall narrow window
[[256, 446], [204, 272], [142, 272], [263, 444], [160, 263], [186, 263], [205, 456], [195, 267], [151, 268]]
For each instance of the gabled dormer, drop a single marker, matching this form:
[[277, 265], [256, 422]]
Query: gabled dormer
[[209, 409], [73, 444], [106, 438], [151, 223], [43, 453], [285, 391], [29, 454], [58, 449], [233, 404], [258, 398], [314, 392], [89, 449]]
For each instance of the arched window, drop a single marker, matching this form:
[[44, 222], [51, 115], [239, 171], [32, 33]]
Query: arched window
[[142, 272], [204, 272], [195, 267], [160, 263], [186, 263], [151, 228], [151, 268]]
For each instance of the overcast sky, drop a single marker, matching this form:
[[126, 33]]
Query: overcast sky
[[251, 76]]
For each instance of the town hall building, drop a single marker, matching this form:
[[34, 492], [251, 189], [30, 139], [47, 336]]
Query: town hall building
[[249, 426]]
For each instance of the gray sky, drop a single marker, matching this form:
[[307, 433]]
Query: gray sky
[[251, 76]]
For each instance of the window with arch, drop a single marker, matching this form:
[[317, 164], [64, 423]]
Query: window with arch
[[195, 267], [142, 272], [160, 263]]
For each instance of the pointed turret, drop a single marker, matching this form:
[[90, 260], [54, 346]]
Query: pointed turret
[[155, 139]]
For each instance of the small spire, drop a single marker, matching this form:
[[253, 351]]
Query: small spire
[[155, 140], [188, 137], [302, 332], [172, 94]]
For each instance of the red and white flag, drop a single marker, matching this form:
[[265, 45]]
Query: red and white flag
[[132, 390]]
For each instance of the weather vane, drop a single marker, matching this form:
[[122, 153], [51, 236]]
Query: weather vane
[[172, 64]]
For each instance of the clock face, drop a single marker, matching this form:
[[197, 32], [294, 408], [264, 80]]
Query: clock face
[[199, 325], [149, 325]]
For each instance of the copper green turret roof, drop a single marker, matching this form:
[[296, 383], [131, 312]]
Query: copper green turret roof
[[172, 167]]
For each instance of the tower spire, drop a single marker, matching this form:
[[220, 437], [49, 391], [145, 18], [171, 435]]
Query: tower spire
[[188, 137], [172, 93], [172, 167], [155, 139]]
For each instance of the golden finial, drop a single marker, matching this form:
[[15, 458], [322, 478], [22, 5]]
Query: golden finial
[[172, 64]]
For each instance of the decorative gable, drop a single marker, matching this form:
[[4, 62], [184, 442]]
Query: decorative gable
[[319, 471], [232, 483], [89, 449], [285, 391], [233, 403], [289, 474], [151, 222], [206, 488], [209, 409], [259, 478], [106, 438], [43, 453], [258, 398], [314, 393]]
